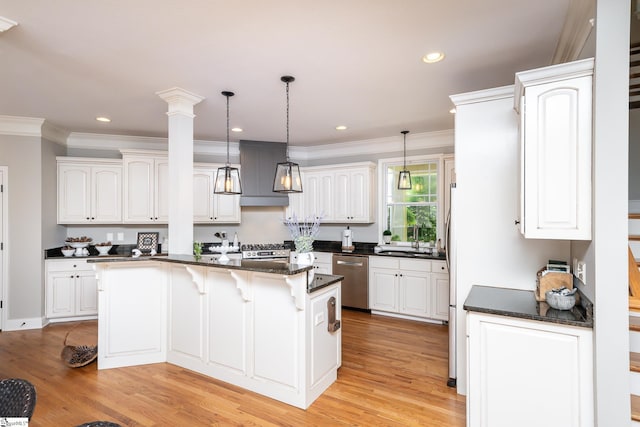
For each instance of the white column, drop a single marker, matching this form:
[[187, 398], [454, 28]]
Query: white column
[[180, 134]]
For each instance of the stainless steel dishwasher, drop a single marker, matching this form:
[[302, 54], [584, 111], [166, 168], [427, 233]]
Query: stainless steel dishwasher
[[355, 286]]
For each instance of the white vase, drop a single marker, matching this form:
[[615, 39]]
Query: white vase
[[307, 258]]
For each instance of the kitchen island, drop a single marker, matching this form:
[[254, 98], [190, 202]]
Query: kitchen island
[[255, 324]]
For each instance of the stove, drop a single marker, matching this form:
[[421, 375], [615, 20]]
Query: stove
[[265, 251]]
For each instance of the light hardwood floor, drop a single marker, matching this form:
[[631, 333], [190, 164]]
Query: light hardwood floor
[[394, 373]]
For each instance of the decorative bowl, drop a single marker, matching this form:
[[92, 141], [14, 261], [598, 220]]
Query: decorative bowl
[[77, 244], [103, 250], [68, 252], [559, 301]]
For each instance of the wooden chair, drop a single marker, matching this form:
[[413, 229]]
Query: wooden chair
[[17, 398]]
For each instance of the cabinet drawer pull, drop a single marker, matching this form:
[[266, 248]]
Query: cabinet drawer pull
[[357, 264]]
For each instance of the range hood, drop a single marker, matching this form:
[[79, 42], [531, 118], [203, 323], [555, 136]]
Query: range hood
[[258, 161]]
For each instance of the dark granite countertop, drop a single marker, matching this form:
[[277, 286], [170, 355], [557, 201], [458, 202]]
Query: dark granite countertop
[[522, 304], [322, 281], [247, 265], [123, 250], [361, 248]]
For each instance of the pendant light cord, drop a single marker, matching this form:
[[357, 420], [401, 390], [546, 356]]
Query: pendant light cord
[[227, 130], [287, 146]]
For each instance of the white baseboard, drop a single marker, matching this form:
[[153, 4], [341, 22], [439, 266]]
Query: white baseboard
[[24, 324]]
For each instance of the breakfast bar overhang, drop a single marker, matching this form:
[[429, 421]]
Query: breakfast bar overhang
[[254, 324]]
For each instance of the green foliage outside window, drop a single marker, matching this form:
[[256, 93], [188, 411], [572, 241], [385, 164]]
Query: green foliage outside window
[[417, 206]]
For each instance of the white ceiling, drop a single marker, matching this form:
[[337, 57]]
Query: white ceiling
[[356, 62]]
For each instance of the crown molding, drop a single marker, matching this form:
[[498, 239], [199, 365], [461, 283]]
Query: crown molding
[[575, 31], [54, 133], [485, 95], [6, 24], [417, 141], [21, 126], [94, 141]]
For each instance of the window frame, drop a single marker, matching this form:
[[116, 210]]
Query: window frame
[[382, 196]]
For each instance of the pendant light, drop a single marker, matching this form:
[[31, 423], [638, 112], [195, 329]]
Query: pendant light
[[404, 178], [227, 178], [287, 178]]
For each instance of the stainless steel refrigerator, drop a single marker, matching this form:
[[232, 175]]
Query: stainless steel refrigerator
[[451, 265]]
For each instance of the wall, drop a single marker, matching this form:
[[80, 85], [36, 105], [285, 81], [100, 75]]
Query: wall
[[490, 250], [22, 155], [607, 276], [634, 154]]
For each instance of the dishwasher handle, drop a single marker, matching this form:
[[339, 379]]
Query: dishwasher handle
[[353, 263]]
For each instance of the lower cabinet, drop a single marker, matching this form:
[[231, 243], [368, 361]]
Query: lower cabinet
[[409, 287], [528, 373], [322, 263], [71, 289]]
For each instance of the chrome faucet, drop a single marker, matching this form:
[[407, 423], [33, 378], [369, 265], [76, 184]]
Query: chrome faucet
[[416, 233]]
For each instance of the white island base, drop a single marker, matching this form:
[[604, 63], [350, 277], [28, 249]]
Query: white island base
[[256, 330]]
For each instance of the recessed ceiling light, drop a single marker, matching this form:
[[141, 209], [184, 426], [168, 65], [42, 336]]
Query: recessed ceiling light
[[236, 129], [341, 127], [433, 57], [103, 119]]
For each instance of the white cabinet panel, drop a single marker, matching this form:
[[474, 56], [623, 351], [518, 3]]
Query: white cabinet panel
[[340, 193], [146, 189], [209, 207], [555, 129], [503, 355], [89, 191], [409, 287], [70, 289]]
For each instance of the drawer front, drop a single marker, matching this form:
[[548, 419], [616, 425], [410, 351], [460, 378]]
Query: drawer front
[[384, 262], [323, 257], [439, 267], [415, 264], [68, 265]]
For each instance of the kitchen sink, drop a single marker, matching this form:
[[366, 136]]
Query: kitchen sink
[[406, 254]]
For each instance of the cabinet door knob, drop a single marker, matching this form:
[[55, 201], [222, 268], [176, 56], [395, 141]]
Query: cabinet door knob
[[71, 276], [77, 275], [516, 222], [87, 218]]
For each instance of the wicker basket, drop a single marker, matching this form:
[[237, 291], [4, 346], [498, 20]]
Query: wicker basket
[[76, 356]]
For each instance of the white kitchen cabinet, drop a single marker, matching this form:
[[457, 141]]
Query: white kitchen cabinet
[[408, 287], [355, 195], [209, 207], [146, 188], [319, 195], [296, 202], [555, 108], [89, 191], [528, 372], [71, 289], [322, 263], [343, 194]]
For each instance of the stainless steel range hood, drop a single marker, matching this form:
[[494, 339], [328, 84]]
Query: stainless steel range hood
[[258, 161]]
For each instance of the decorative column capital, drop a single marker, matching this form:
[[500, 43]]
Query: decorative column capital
[[180, 101]]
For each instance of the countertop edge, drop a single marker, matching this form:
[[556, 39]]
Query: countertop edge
[[584, 311]]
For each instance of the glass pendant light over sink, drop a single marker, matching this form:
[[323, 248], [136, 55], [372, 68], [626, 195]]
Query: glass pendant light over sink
[[404, 178], [227, 178], [287, 178]]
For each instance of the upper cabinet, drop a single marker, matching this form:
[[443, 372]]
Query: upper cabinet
[[555, 110], [339, 193], [146, 189], [207, 206], [89, 191]]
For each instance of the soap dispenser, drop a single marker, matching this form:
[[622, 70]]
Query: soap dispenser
[[235, 240]]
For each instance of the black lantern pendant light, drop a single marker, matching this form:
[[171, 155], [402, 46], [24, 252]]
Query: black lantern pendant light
[[404, 178], [227, 178], [287, 179]]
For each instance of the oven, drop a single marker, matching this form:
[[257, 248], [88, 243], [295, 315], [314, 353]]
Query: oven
[[274, 252]]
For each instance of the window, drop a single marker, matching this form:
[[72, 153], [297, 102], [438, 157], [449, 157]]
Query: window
[[415, 209]]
